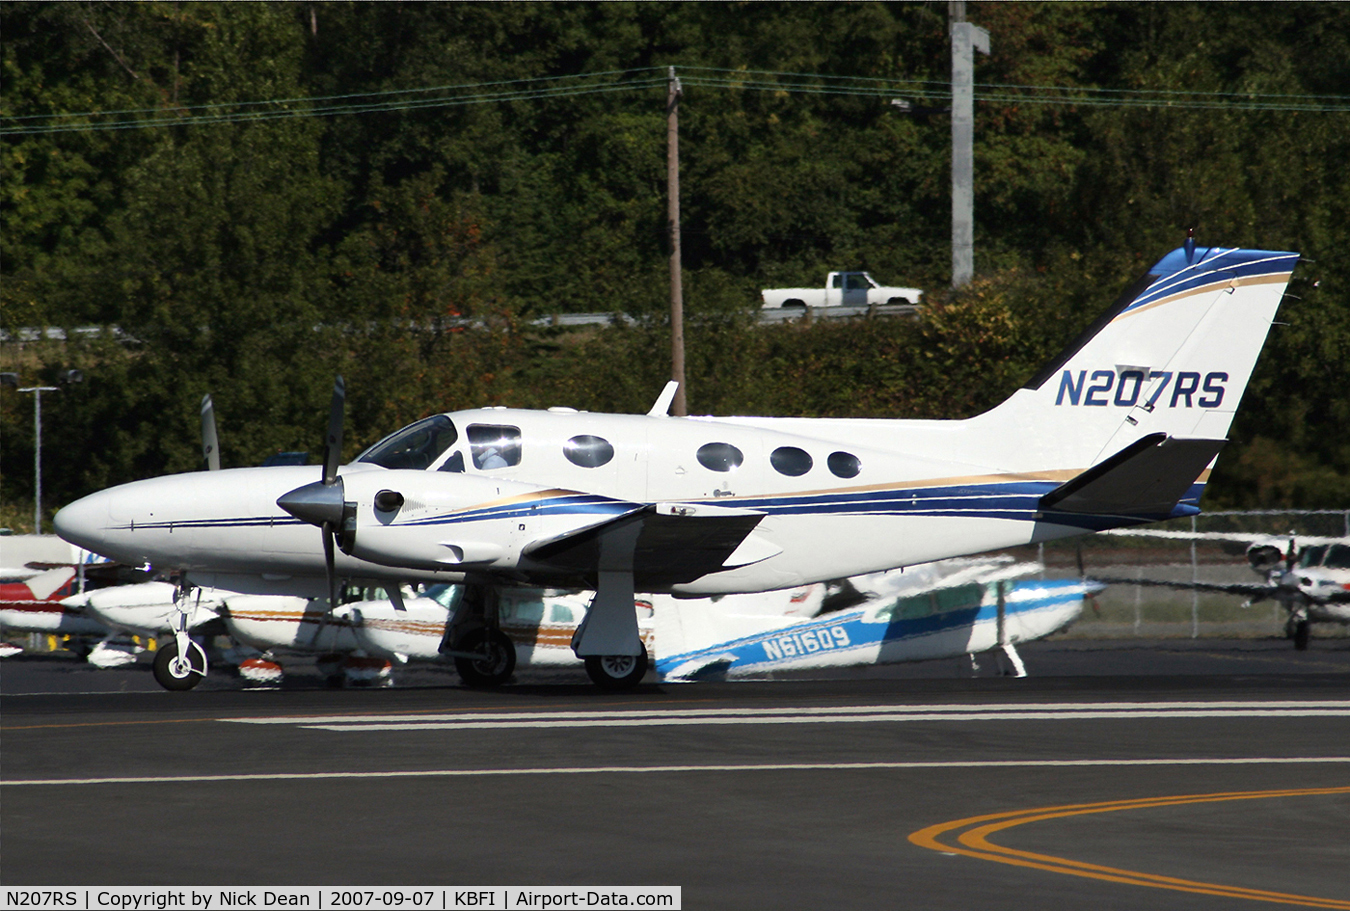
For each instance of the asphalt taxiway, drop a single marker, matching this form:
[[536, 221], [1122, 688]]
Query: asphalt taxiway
[[1119, 776]]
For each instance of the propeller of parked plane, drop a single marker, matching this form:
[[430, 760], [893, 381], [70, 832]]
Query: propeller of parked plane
[[210, 445]]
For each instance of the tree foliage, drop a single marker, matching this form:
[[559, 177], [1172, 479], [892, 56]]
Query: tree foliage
[[256, 259]]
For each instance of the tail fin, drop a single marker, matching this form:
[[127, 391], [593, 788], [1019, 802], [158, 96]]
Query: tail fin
[[1173, 356]]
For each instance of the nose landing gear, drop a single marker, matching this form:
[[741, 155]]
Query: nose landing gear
[[179, 673]]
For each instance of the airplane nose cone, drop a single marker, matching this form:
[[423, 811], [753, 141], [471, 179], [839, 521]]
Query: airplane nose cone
[[316, 503], [84, 523]]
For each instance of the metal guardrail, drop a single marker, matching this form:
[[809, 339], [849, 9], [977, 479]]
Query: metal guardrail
[[809, 314], [766, 316], [60, 334], [555, 320]]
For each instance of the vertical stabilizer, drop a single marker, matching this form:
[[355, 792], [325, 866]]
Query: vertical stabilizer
[[1173, 356]]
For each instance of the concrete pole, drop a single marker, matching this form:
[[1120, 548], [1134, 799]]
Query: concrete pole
[[37, 452], [678, 406], [966, 39]]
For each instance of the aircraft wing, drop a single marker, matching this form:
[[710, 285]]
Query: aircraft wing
[[1250, 589], [1237, 537], [1147, 478], [675, 543]]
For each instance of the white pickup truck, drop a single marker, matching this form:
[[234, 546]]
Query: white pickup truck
[[842, 289]]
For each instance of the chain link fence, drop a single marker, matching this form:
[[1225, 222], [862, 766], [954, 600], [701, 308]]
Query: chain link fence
[[1123, 611]]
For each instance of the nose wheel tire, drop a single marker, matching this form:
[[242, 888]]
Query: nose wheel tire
[[177, 674], [498, 661], [617, 672], [1301, 635]]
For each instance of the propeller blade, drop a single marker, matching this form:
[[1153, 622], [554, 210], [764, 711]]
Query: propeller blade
[[1291, 554], [210, 445], [329, 564], [332, 453]]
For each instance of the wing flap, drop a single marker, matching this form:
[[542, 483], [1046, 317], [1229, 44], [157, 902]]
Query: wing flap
[[676, 543]]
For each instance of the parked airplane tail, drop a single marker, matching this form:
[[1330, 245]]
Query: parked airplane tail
[[1138, 406]]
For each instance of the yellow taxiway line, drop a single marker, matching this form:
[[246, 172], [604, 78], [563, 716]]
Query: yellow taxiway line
[[972, 837]]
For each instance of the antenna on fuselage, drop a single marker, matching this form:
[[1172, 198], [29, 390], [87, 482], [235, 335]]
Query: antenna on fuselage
[[662, 407]]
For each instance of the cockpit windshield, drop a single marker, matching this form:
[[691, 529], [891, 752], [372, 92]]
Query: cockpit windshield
[[1338, 557], [415, 446], [1312, 556]]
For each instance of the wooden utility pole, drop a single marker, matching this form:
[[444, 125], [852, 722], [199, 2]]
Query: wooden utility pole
[[679, 406]]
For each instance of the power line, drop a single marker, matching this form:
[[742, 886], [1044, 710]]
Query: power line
[[559, 87], [310, 99], [396, 100]]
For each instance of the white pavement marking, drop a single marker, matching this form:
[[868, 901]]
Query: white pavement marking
[[1055, 711], [667, 769]]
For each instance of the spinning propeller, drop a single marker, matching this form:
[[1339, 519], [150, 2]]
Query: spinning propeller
[[322, 503]]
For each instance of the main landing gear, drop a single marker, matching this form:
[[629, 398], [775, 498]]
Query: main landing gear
[[608, 639], [617, 672], [484, 656], [496, 661]]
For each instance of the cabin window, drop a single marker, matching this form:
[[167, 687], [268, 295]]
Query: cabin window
[[526, 611], [856, 283], [844, 464], [561, 613], [454, 463], [588, 451], [791, 461], [446, 596], [415, 446], [494, 446], [1338, 557], [720, 457]]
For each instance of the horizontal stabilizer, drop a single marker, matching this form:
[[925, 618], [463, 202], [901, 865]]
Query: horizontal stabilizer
[[1147, 478]]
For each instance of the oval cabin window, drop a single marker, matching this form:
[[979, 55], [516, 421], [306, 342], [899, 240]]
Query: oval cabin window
[[720, 457], [588, 451], [844, 464], [791, 461]]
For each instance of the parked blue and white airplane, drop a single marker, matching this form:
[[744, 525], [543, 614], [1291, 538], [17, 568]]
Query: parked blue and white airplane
[[940, 610], [1119, 430]]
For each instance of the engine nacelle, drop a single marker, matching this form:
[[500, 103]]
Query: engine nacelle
[[455, 522], [1265, 556]]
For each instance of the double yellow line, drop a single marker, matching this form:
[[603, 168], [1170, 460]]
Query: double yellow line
[[972, 840]]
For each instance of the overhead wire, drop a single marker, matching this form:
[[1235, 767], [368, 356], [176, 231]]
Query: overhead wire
[[583, 84]]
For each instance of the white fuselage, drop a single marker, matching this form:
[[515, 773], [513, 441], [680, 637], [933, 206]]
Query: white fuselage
[[897, 509]]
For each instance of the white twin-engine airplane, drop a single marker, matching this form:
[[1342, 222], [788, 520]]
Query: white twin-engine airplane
[[1119, 430]]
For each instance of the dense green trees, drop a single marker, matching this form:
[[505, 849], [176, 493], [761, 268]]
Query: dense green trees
[[256, 258]]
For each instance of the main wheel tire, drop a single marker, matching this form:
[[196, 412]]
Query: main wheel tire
[[617, 672], [1301, 635], [176, 675], [499, 660]]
